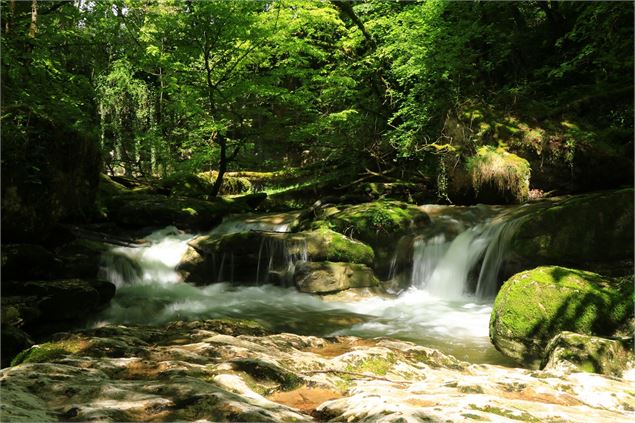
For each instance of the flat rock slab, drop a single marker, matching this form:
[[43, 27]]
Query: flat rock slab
[[220, 370]]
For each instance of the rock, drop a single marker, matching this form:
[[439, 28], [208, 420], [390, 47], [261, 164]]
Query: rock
[[534, 306], [14, 340], [577, 352], [243, 255], [81, 258], [498, 177], [47, 306], [232, 371], [356, 294], [593, 231], [194, 267], [28, 262], [143, 210], [380, 224], [328, 277]]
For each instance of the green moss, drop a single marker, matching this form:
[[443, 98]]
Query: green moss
[[375, 365], [495, 167], [549, 299], [371, 222], [510, 414], [339, 248], [49, 351], [535, 305]]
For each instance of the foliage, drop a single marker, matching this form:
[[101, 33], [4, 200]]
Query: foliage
[[173, 86]]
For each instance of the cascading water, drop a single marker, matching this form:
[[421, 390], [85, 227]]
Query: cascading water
[[457, 258], [444, 268], [152, 262]]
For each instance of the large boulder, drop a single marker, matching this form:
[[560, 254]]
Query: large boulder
[[29, 261], [328, 277], [593, 232], [53, 304], [534, 306], [380, 224], [13, 341], [578, 352], [142, 210], [255, 256]]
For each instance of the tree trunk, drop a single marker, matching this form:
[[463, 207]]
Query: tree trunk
[[222, 165], [33, 27]]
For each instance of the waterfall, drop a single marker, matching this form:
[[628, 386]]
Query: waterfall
[[277, 259], [154, 261], [279, 222], [449, 269]]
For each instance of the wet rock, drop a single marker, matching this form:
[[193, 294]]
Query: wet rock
[[49, 306], [380, 224], [28, 262], [329, 277], [222, 370], [593, 232], [534, 306], [81, 258], [577, 352], [266, 256], [14, 340]]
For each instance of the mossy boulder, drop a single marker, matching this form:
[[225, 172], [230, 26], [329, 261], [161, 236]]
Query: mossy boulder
[[81, 258], [329, 277], [592, 354], [379, 224], [593, 231], [371, 222], [534, 306], [269, 253], [491, 176], [48, 306], [142, 210]]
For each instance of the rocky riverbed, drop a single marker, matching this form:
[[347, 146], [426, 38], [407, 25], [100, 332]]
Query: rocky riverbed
[[221, 370]]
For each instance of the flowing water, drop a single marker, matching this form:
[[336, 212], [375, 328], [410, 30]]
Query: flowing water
[[455, 264]]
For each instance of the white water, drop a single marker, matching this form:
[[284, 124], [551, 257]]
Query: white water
[[438, 310], [156, 259], [280, 222]]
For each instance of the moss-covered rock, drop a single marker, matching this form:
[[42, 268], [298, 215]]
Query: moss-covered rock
[[499, 176], [371, 222], [267, 252], [380, 224], [587, 231], [587, 353], [328, 277], [50, 351], [534, 306], [48, 306], [142, 210]]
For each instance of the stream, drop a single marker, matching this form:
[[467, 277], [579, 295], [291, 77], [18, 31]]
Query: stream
[[453, 280]]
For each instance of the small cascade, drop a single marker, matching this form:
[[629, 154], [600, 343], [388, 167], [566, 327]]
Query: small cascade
[[280, 222], [152, 262], [277, 259], [449, 269]]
